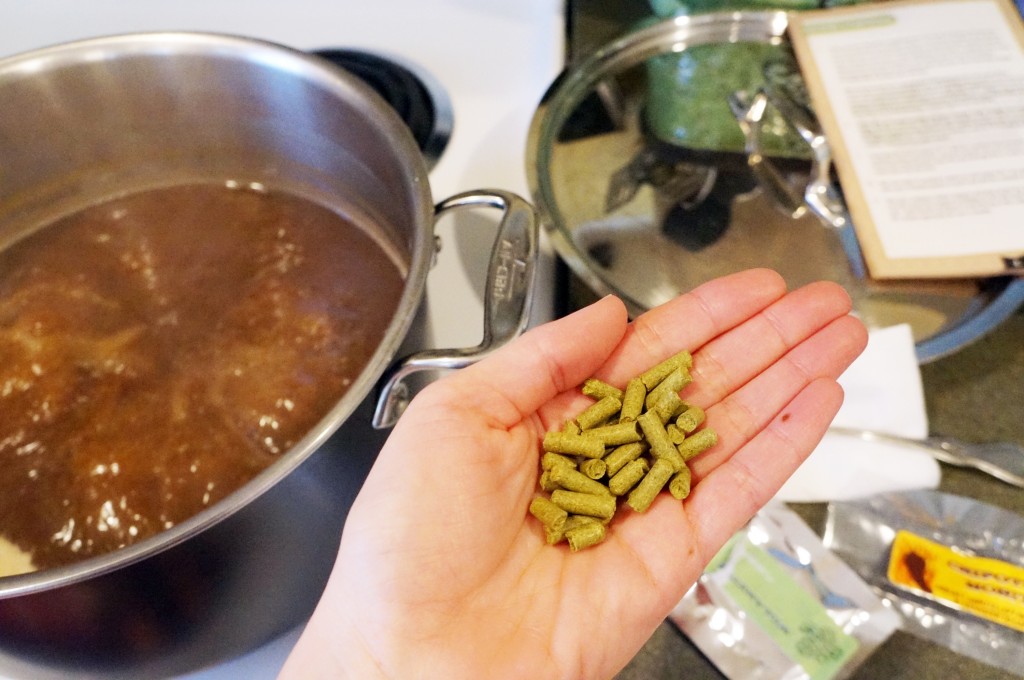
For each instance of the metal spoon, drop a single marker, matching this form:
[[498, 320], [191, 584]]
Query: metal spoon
[[1002, 460]]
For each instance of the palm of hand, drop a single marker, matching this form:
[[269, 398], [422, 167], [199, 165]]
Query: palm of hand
[[443, 572]]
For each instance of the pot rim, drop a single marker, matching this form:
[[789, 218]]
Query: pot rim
[[377, 112]]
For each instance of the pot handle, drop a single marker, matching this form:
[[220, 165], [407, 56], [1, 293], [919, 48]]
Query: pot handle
[[819, 195], [507, 297]]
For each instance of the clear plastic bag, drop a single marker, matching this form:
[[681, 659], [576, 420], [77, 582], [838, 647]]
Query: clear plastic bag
[[862, 532], [776, 604]]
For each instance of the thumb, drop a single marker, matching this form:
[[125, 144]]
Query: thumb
[[525, 374]]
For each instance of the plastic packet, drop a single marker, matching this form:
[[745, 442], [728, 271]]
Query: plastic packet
[[952, 566], [776, 604]]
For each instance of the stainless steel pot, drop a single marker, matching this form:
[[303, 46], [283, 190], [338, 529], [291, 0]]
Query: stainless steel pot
[[80, 122]]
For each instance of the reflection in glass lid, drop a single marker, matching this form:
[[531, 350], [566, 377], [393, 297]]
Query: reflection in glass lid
[[653, 176]]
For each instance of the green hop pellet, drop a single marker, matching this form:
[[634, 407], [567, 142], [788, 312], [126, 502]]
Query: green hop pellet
[[599, 389], [617, 434], [697, 443], [576, 520], [679, 485], [633, 400], [549, 460], [573, 444], [657, 437], [549, 514], [553, 536], [546, 483], [574, 480], [673, 382], [585, 535], [675, 434], [668, 406], [626, 478], [584, 503], [690, 419], [654, 375], [598, 413], [644, 493], [620, 455], [595, 468]]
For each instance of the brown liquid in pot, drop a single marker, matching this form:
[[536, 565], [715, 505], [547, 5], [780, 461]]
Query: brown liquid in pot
[[159, 350]]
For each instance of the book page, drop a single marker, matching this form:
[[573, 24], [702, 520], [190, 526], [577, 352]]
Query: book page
[[924, 107]]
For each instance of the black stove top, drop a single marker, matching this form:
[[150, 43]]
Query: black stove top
[[421, 103]]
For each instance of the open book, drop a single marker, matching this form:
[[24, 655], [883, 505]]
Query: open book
[[922, 102]]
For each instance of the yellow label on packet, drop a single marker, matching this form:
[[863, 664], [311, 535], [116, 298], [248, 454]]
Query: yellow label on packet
[[987, 587]]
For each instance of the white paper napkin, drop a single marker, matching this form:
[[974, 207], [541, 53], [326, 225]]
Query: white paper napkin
[[883, 393]]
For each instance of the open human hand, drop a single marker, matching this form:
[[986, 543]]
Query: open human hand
[[442, 572]]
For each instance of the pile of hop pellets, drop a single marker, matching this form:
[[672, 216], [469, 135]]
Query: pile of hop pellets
[[629, 443]]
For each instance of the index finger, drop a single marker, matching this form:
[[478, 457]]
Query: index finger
[[691, 320], [517, 380]]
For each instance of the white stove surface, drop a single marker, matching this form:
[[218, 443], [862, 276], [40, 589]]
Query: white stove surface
[[495, 58]]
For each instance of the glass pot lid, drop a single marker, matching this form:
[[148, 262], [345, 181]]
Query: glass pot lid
[[680, 152]]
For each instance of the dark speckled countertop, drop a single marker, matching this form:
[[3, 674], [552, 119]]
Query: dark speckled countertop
[[976, 394]]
